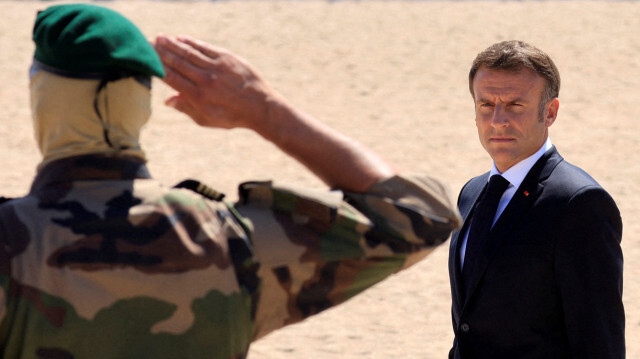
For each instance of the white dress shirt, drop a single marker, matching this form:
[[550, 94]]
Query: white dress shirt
[[515, 175]]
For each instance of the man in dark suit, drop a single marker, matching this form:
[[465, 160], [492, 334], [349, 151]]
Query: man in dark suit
[[546, 280]]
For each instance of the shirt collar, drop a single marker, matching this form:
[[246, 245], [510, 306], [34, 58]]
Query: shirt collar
[[516, 174]]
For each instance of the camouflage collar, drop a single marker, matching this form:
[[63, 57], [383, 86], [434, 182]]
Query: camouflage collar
[[90, 168]]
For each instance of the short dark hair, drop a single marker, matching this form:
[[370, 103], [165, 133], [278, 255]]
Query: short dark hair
[[514, 56]]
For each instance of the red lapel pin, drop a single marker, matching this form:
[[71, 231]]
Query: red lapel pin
[[526, 193]]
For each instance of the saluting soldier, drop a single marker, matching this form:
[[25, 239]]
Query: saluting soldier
[[100, 260]]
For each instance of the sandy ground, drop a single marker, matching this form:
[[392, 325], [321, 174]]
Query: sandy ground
[[392, 75]]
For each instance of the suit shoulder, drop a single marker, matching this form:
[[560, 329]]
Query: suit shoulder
[[575, 184], [470, 190], [572, 176], [474, 184]]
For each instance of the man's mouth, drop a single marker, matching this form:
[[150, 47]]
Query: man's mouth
[[501, 139]]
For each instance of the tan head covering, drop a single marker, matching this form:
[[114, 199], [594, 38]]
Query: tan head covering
[[82, 116]]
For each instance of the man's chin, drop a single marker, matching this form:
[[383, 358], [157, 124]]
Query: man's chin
[[503, 158], [500, 152]]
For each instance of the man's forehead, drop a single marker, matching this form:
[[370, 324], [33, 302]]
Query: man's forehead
[[488, 82]]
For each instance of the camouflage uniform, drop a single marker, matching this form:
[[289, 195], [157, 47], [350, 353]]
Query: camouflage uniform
[[101, 261]]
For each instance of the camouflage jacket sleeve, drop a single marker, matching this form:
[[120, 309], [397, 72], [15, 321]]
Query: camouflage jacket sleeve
[[316, 250]]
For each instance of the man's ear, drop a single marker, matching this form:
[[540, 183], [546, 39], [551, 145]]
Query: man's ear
[[551, 111]]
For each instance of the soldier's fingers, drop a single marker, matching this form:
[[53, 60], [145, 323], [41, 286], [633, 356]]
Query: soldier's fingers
[[183, 59], [185, 50], [206, 49], [178, 82], [223, 59]]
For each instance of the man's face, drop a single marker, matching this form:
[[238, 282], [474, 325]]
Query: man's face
[[507, 106]]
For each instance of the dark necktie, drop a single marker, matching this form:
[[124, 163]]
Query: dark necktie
[[481, 223]]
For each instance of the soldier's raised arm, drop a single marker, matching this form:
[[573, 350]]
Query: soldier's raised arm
[[219, 89]]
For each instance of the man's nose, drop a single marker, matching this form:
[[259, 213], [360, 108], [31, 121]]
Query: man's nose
[[499, 117]]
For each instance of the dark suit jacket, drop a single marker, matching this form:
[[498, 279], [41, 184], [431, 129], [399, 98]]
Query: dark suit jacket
[[549, 283]]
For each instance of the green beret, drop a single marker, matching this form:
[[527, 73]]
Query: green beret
[[94, 41]]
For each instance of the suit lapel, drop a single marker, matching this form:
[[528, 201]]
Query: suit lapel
[[529, 191], [466, 211]]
